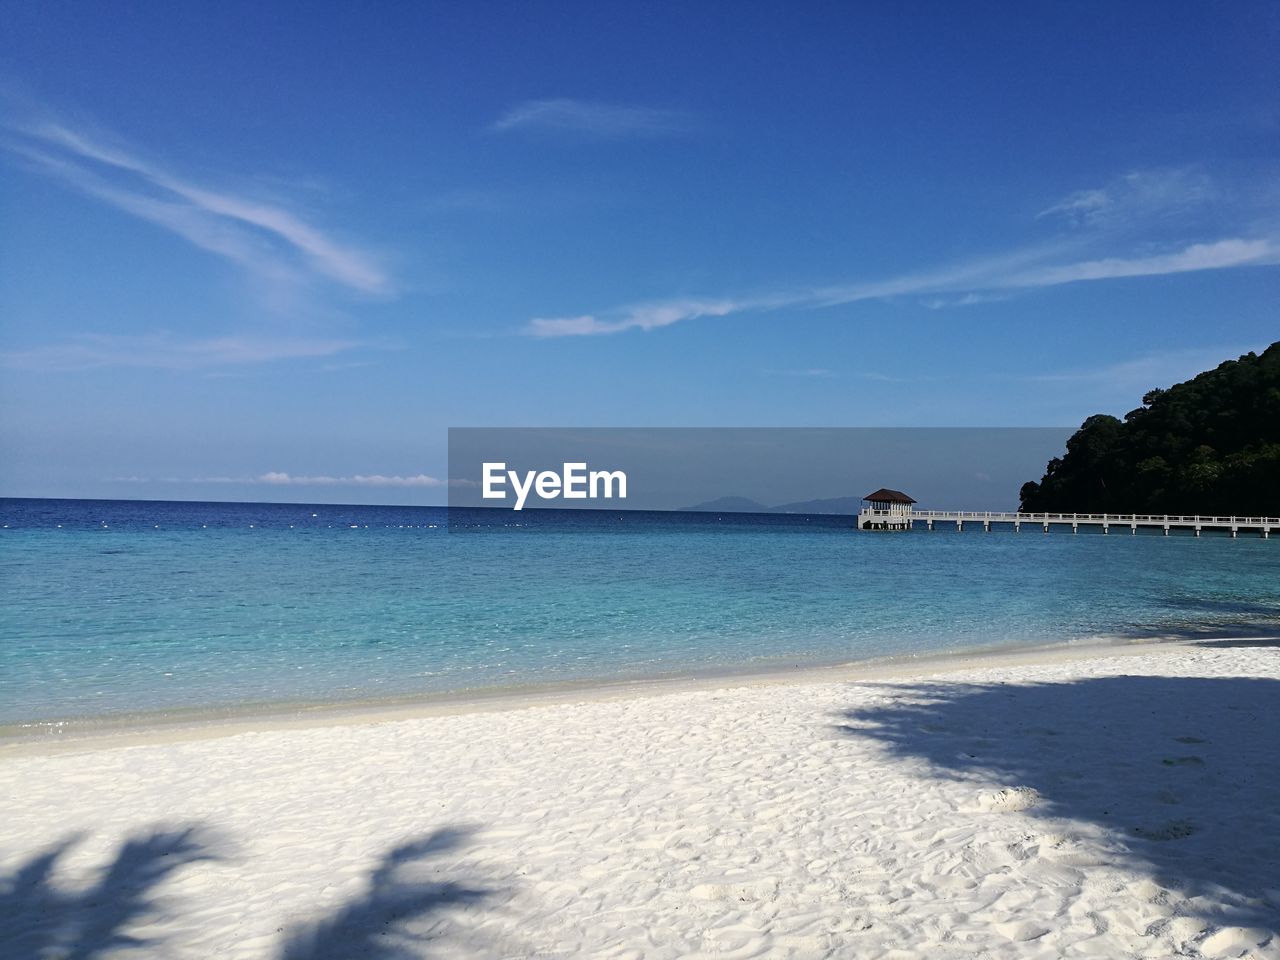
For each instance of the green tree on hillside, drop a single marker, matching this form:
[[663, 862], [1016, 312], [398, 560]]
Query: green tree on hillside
[[1208, 446]]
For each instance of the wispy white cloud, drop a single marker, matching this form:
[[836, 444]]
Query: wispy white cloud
[[602, 120], [1136, 375], [1081, 205], [803, 372], [982, 273], [966, 300], [886, 378], [648, 316], [276, 478], [1141, 195], [264, 238], [978, 280], [169, 352], [1221, 254], [1138, 200], [280, 479]]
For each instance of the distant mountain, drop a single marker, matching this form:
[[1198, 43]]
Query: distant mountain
[[836, 505], [833, 505], [1210, 445], [728, 505]]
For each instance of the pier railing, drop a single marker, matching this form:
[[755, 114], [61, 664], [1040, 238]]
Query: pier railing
[[1116, 518], [901, 520]]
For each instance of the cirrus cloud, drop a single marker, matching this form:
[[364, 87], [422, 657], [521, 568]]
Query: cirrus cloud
[[1141, 195], [263, 238], [984, 279], [281, 479], [605, 121], [165, 351]]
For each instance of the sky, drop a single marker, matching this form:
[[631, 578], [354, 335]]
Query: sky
[[274, 251]]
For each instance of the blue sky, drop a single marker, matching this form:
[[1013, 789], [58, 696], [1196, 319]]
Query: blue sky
[[273, 252]]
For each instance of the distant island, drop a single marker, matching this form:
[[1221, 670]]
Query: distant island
[[833, 505], [1210, 445]]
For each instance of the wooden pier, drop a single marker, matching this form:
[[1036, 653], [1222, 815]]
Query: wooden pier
[[905, 518]]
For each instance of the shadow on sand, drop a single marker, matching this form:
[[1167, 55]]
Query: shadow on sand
[[395, 917], [1183, 772], [40, 918]]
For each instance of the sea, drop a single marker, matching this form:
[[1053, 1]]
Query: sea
[[112, 610]]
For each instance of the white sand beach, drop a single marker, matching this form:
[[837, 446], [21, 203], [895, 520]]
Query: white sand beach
[[1116, 803]]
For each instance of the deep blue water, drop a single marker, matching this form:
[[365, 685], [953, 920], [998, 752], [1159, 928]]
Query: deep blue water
[[116, 607]]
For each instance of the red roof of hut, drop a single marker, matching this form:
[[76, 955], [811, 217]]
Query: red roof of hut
[[884, 495]]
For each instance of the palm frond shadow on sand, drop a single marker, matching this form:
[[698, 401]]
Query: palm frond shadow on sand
[[1182, 773], [394, 918], [41, 917]]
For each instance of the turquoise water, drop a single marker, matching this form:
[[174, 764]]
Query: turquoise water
[[120, 608]]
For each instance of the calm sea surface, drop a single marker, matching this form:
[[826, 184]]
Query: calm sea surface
[[112, 607]]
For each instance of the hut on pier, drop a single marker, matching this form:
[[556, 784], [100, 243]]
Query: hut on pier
[[885, 509]]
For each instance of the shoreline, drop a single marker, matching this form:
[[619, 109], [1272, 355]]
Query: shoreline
[[100, 733]]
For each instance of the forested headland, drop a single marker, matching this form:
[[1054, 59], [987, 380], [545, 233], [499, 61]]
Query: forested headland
[[1210, 445]]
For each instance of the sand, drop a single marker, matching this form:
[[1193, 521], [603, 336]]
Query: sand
[[1097, 804]]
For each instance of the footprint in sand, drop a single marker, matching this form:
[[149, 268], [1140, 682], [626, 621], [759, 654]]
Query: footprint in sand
[[1234, 941], [745, 889], [1173, 830], [1022, 930], [1009, 800]]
